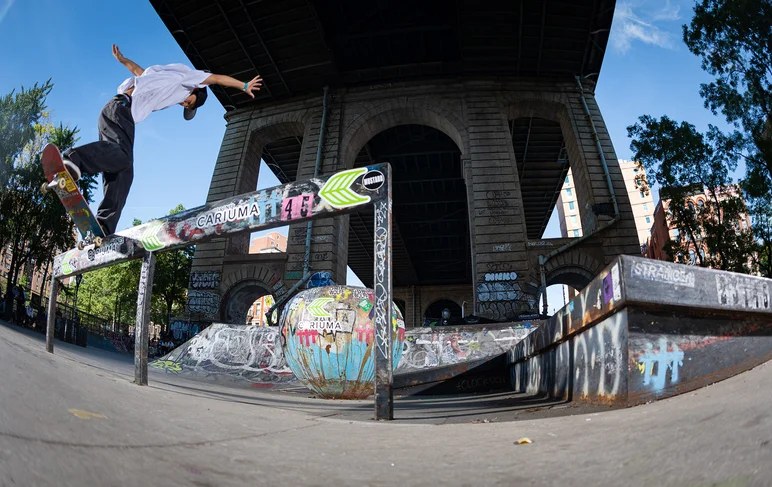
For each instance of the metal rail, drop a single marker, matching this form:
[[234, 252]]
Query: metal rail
[[340, 193]]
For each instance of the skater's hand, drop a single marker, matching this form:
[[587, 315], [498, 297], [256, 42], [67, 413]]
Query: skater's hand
[[253, 86], [117, 54], [135, 68]]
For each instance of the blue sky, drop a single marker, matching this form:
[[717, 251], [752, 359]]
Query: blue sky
[[646, 70]]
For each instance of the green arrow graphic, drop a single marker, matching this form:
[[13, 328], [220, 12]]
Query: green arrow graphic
[[148, 237], [66, 267], [337, 190], [316, 308]]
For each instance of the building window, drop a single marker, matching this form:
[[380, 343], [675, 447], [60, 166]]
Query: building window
[[576, 233], [566, 179], [570, 205], [568, 191], [645, 207], [573, 220], [700, 203], [642, 195], [635, 170], [648, 220], [690, 205]]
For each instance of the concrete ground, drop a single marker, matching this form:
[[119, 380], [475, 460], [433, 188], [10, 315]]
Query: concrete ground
[[76, 418]]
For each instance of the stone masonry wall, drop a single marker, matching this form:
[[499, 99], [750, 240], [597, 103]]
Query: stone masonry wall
[[474, 114]]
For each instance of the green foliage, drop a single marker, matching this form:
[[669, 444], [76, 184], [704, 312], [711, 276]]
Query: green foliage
[[684, 162], [34, 226], [170, 285], [732, 37]]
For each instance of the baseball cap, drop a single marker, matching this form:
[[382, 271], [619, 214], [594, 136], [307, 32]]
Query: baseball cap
[[201, 94]]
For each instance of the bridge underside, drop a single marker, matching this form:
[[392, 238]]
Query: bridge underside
[[476, 107], [299, 46]]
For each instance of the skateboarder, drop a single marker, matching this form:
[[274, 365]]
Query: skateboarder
[[148, 90]]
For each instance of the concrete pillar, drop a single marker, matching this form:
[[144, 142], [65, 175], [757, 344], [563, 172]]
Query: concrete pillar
[[495, 209]]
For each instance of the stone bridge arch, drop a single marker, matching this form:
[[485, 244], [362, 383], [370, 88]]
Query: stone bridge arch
[[244, 282], [397, 112], [539, 107], [575, 268]]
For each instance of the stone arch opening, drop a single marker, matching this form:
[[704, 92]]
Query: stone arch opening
[[551, 168], [430, 244], [239, 301], [433, 312], [272, 158], [402, 305], [377, 120], [573, 276]]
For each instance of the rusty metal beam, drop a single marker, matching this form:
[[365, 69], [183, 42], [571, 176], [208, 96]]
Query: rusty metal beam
[[243, 48], [541, 37], [180, 30], [265, 48]]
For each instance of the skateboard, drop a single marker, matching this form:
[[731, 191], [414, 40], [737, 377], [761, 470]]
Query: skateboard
[[60, 181]]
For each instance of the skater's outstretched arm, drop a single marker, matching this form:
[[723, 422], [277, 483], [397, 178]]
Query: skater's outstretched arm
[[223, 80], [135, 68]]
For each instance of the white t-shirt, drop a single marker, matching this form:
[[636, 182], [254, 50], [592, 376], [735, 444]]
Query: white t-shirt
[[160, 87]]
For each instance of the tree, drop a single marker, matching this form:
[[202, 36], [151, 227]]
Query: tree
[[35, 227], [20, 113], [733, 39], [684, 161], [172, 274]]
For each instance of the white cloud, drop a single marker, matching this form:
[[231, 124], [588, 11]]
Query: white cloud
[[628, 27], [667, 13]]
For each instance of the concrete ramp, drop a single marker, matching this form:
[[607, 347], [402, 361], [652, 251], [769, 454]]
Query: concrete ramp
[[223, 351], [645, 330], [465, 358]]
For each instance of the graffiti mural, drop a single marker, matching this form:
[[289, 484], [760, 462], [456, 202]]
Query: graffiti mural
[[252, 353], [329, 338], [500, 297], [745, 291], [660, 366], [320, 279], [435, 347], [600, 360], [203, 302], [204, 280]]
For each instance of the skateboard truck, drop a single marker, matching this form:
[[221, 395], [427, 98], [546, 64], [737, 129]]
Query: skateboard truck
[[90, 238], [46, 187]]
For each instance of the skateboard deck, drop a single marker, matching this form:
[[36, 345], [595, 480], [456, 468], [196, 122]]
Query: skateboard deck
[[60, 182]]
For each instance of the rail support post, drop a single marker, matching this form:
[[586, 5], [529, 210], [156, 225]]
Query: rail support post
[[51, 318], [144, 293]]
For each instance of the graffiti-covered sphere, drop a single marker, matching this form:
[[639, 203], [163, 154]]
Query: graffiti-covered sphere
[[329, 340]]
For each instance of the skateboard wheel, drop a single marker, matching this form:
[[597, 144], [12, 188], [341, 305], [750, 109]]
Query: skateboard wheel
[[62, 183], [97, 241], [81, 245], [44, 188]]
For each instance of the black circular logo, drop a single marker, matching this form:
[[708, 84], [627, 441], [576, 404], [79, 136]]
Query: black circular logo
[[373, 180]]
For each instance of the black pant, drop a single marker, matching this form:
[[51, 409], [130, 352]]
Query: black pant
[[113, 157]]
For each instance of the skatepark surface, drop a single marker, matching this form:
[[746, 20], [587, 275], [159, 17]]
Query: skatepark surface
[[75, 418]]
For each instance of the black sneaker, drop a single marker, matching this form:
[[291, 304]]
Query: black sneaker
[[72, 169]]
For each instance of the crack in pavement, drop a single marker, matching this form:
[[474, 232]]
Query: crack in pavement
[[149, 445]]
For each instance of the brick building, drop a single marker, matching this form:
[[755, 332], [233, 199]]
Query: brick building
[[663, 230]]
